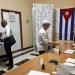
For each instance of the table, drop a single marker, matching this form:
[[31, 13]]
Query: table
[[34, 64]]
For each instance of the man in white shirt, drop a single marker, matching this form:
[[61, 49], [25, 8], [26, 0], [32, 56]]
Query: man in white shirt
[[43, 40], [44, 43], [7, 46]]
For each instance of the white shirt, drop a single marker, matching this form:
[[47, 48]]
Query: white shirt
[[7, 32], [42, 44]]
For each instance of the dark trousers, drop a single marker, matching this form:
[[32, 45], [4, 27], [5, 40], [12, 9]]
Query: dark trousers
[[41, 52], [9, 54], [74, 39]]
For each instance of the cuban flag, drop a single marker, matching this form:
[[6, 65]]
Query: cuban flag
[[65, 23]]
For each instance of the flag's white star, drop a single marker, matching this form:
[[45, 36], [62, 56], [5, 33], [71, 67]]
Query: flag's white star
[[67, 13]]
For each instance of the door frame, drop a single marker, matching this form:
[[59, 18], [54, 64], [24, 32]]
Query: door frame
[[20, 20]]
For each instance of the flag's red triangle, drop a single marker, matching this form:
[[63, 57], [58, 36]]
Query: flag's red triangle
[[67, 13]]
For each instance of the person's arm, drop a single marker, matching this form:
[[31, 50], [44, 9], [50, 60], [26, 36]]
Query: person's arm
[[46, 41], [57, 43], [7, 30]]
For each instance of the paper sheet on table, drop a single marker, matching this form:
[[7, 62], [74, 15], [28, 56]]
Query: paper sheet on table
[[62, 71], [69, 64], [33, 72], [71, 60], [65, 70], [71, 69], [69, 51]]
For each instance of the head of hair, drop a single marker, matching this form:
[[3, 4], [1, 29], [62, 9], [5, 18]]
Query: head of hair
[[45, 24], [4, 23]]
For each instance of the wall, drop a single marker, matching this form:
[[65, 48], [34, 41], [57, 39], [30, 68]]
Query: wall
[[25, 7], [57, 4]]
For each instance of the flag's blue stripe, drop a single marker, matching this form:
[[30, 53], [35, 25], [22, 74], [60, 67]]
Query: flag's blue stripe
[[66, 30], [72, 27], [60, 27]]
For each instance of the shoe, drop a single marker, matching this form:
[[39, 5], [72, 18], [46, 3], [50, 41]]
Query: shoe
[[10, 67], [2, 72]]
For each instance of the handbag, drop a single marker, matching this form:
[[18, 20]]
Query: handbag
[[10, 40]]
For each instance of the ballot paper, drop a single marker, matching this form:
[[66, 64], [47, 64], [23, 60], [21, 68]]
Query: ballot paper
[[71, 60], [71, 69], [69, 51], [62, 71], [33, 72], [69, 64], [65, 70]]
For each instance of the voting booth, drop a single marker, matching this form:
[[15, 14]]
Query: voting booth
[[39, 13]]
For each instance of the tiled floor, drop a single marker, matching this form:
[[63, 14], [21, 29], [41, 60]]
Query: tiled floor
[[19, 59], [24, 56]]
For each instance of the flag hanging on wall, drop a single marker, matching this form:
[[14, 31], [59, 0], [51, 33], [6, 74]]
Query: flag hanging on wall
[[65, 23]]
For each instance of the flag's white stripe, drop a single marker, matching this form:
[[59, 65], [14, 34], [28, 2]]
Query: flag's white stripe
[[57, 20], [74, 26], [63, 28], [69, 28]]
